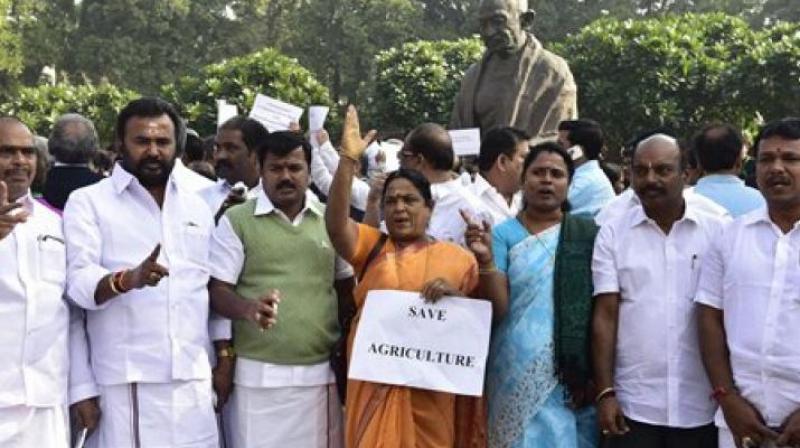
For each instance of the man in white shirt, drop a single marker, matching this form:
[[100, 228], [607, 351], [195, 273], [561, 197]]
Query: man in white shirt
[[652, 387], [235, 162], [590, 189], [498, 183], [33, 313], [429, 150], [749, 301], [137, 248], [276, 248]]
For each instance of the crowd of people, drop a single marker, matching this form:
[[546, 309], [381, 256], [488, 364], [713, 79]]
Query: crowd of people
[[146, 305]]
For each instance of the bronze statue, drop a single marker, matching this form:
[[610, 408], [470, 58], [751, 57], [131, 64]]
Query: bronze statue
[[517, 82]]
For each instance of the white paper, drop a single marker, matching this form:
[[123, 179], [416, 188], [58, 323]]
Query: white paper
[[316, 117], [225, 112], [466, 142], [404, 341], [274, 114]]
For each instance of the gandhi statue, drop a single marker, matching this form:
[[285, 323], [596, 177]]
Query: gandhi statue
[[517, 82]]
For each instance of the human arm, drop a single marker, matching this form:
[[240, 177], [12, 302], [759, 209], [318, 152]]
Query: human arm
[[83, 391], [492, 283], [342, 230], [372, 214]]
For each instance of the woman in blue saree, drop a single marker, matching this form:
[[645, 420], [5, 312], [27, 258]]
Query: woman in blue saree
[[538, 374]]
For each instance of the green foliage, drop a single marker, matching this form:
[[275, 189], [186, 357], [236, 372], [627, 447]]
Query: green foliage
[[39, 107], [238, 80], [417, 82], [634, 75], [767, 77]]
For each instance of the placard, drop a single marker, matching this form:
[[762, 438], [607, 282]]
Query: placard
[[403, 340], [466, 142], [274, 114], [316, 117], [225, 112]]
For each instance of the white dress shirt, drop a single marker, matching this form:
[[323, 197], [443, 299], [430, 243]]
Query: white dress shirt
[[216, 194], [752, 273], [33, 313], [190, 180], [322, 175], [495, 203], [446, 223], [155, 334], [228, 254], [628, 199], [658, 373]]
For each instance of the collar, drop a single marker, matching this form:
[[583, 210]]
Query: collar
[[589, 165], [27, 201], [441, 189], [761, 216], [638, 216], [720, 179], [481, 185], [70, 165], [264, 205], [122, 179]]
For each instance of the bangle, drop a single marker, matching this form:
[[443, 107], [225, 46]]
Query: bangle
[[112, 285], [487, 270], [226, 352], [605, 393], [117, 281]]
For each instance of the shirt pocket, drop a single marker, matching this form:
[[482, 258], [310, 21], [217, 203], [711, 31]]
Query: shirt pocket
[[196, 243], [52, 260]]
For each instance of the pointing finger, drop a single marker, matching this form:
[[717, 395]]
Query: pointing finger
[[154, 255]]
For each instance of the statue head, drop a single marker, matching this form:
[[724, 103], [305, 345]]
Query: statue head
[[503, 24]]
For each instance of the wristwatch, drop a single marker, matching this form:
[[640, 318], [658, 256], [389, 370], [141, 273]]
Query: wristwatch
[[226, 352]]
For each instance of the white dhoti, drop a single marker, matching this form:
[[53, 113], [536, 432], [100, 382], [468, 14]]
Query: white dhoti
[[308, 417], [23, 426], [169, 415]]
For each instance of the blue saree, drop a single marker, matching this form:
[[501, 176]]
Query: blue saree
[[527, 405]]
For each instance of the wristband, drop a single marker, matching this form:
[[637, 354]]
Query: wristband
[[719, 392], [112, 285], [226, 352], [117, 282]]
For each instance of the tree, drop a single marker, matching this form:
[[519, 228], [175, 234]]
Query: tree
[[237, 81], [638, 74], [39, 107], [418, 81]]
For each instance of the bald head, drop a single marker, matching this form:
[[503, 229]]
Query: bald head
[[503, 24], [433, 143], [73, 139]]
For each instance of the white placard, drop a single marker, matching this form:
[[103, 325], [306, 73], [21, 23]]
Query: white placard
[[225, 112], [274, 114], [466, 142], [404, 341], [316, 117]]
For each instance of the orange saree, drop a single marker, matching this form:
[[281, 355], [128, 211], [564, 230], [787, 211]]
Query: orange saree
[[379, 415]]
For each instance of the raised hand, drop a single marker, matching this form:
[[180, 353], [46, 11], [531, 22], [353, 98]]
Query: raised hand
[[10, 215], [376, 188], [478, 238], [148, 273], [353, 145]]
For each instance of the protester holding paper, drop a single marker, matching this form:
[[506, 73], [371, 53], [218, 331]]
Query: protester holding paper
[[408, 260], [538, 368]]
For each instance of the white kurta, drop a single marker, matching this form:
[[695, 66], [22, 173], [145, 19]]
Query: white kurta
[[34, 341], [157, 337]]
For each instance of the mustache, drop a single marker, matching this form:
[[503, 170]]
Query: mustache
[[148, 160], [285, 184]]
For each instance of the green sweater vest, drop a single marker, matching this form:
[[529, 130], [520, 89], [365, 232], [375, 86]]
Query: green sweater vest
[[298, 262]]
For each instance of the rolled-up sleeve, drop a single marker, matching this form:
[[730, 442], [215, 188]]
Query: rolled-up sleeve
[[712, 274], [82, 384], [604, 266], [227, 253], [84, 250]]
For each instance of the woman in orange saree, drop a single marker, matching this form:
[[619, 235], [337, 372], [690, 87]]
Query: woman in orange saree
[[381, 415]]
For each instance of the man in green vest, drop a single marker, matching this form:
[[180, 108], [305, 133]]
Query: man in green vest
[[275, 249]]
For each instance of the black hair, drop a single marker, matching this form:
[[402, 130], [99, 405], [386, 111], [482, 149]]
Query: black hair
[[586, 133], [499, 141], [151, 107], [551, 147], [253, 132], [555, 148], [786, 128], [433, 143], [73, 147], [281, 144], [194, 149], [417, 180], [717, 147]]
